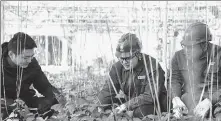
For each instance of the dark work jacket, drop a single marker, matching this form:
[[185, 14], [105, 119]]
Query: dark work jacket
[[192, 76], [30, 75], [139, 93]]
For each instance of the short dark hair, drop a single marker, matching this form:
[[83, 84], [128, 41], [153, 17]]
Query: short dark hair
[[21, 41], [130, 41]]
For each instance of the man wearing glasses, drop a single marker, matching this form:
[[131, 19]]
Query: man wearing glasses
[[195, 83], [136, 76]]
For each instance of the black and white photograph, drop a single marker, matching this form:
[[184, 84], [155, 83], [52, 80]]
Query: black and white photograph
[[110, 60]]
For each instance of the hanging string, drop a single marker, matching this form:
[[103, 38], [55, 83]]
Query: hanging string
[[19, 69]]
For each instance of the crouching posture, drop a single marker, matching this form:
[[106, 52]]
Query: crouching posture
[[138, 77], [196, 76], [19, 71]]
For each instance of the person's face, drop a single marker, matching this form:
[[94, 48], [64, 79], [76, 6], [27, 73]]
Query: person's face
[[128, 61], [23, 59], [193, 52]]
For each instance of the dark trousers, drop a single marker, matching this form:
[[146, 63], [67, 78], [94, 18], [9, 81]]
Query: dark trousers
[[143, 110], [147, 109], [140, 111], [164, 102]]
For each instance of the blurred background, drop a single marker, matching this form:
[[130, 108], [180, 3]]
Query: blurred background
[[77, 39]]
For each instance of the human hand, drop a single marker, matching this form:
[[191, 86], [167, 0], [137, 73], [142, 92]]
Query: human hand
[[99, 109], [178, 107], [202, 108], [120, 109]]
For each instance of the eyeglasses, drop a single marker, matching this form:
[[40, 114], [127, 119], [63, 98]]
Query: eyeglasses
[[127, 59]]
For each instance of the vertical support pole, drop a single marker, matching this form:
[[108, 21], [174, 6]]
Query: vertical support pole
[[164, 16], [46, 50], [64, 52], [2, 33]]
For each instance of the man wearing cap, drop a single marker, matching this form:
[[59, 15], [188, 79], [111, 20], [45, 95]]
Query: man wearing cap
[[19, 71], [136, 76], [195, 84]]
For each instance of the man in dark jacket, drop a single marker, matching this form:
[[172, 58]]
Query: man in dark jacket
[[19, 70], [196, 73], [138, 77]]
